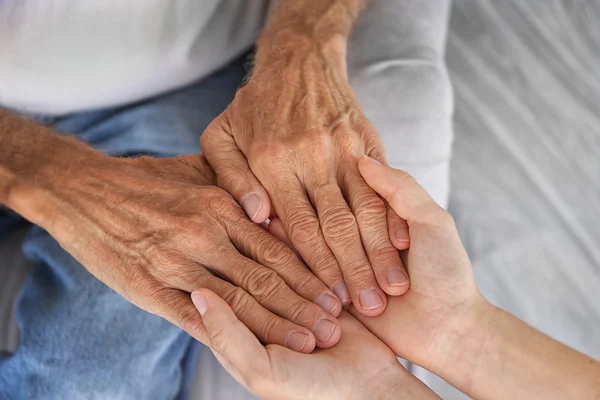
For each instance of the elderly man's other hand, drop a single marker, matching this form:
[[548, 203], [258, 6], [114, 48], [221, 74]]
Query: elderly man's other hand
[[155, 230], [288, 145], [359, 367]]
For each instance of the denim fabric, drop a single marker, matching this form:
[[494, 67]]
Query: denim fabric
[[80, 339], [8, 221]]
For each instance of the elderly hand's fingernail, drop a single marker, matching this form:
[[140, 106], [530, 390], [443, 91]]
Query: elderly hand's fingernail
[[327, 302], [252, 205], [370, 299], [200, 303], [374, 161], [323, 329], [296, 340], [395, 277], [341, 291]]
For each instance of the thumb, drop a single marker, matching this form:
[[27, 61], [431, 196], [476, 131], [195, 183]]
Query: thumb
[[402, 192], [233, 172], [232, 343]]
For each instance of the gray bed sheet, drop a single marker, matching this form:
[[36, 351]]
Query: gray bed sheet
[[526, 166]]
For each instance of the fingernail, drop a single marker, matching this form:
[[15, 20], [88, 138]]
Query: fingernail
[[200, 303], [396, 277], [370, 299], [296, 340], [402, 235], [374, 161], [323, 329], [252, 205], [341, 291], [327, 302]]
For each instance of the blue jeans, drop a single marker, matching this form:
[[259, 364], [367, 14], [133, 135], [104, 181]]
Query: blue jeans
[[80, 339]]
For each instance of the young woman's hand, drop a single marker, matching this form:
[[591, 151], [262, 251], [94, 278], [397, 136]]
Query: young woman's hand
[[444, 324], [360, 366]]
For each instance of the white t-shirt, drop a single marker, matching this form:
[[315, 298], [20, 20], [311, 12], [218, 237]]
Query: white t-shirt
[[64, 56]]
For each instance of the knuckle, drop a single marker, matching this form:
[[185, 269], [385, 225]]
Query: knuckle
[[220, 203], [320, 142], [229, 178], [304, 229], [304, 282], [339, 223], [211, 133], [263, 284], [383, 250], [325, 266], [269, 329], [268, 155], [275, 150], [238, 300], [297, 310], [206, 139], [358, 273], [369, 205], [140, 283], [274, 252], [190, 320]]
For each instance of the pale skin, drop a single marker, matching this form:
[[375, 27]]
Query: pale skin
[[156, 229], [442, 323]]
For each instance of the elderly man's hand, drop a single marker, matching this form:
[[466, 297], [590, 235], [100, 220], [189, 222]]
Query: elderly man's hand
[[155, 230], [288, 145]]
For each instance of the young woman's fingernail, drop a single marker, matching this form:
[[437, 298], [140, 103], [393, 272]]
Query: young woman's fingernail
[[200, 303]]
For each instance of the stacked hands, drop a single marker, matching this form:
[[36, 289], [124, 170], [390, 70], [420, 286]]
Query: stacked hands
[[357, 260], [440, 305], [288, 153]]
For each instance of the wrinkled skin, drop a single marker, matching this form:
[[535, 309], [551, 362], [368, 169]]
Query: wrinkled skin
[[155, 230]]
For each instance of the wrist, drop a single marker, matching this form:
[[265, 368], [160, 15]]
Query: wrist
[[287, 51], [39, 174], [299, 28], [464, 343], [388, 384]]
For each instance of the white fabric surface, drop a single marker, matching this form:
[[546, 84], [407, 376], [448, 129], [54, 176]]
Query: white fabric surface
[[62, 56]]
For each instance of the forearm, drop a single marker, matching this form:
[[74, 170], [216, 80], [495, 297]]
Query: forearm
[[307, 25], [406, 387], [31, 157], [394, 383], [502, 357]]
